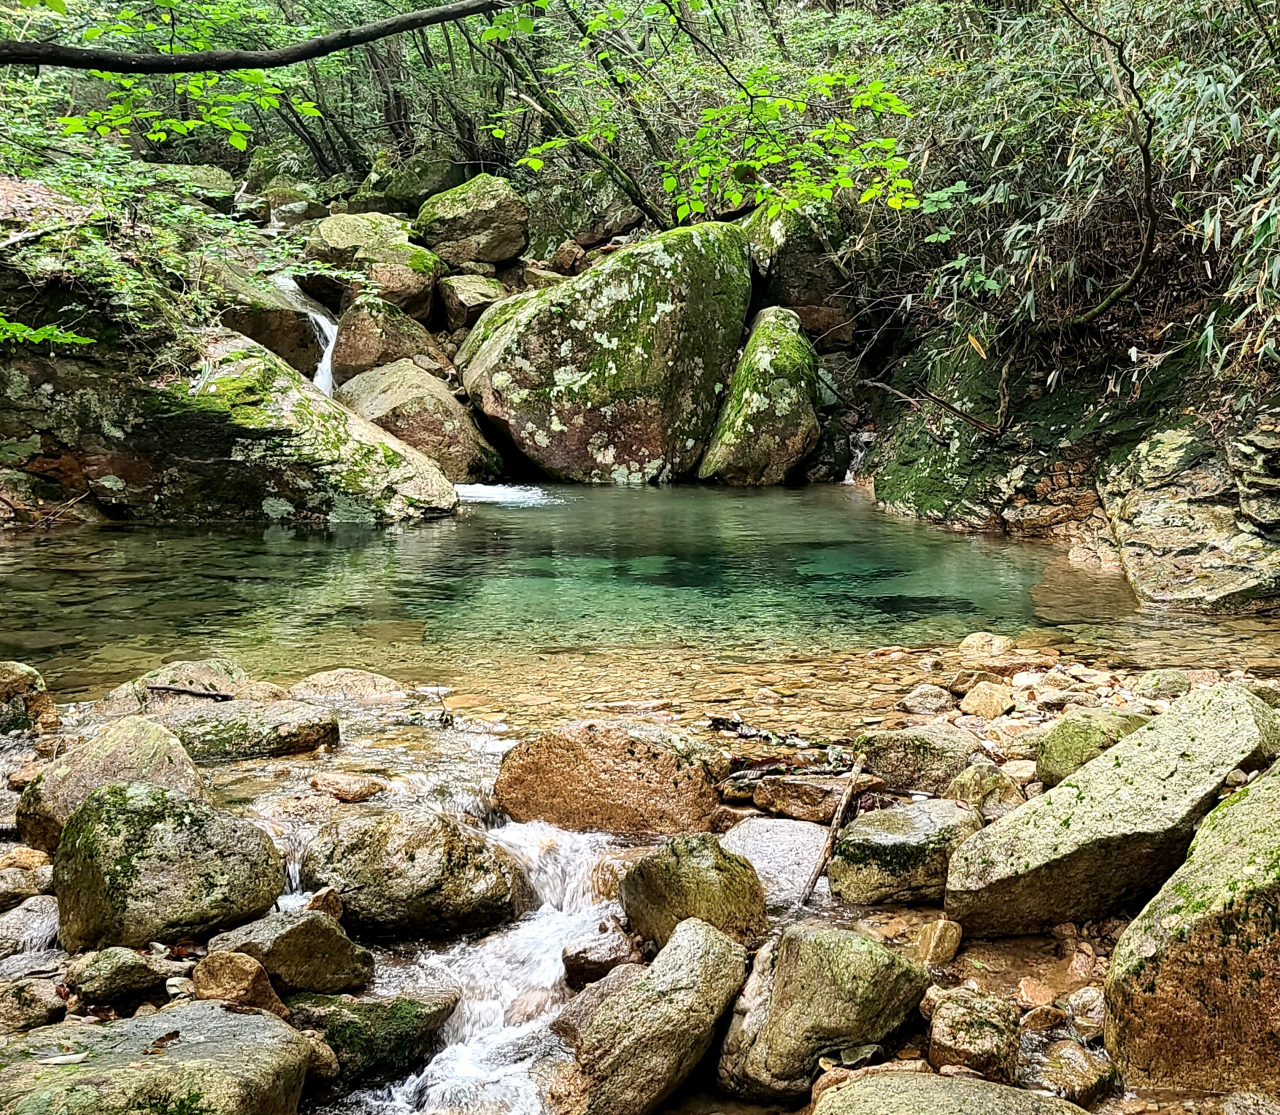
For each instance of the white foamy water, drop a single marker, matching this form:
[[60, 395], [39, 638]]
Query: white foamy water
[[322, 321], [510, 495]]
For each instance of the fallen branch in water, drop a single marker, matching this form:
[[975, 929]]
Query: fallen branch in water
[[836, 823]]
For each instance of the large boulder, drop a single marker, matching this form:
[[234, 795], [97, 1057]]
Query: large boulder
[[900, 855], [222, 731], [120, 973], [643, 1041], [219, 1061], [262, 310], [609, 777], [782, 851], [975, 1030], [24, 700], [183, 684], [28, 1003], [140, 863], [418, 408], [1079, 737], [373, 332], [925, 758], [1194, 982], [902, 1093], [415, 875], [693, 877], [302, 950], [814, 991], [767, 423], [403, 274], [404, 186], [483, 220], [614, 376], [1109, 835], [127, 750]]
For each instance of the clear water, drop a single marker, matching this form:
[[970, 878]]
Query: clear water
[[520, 567]]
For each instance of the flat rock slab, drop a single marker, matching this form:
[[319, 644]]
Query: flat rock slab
[[917, 1094], [218, 732], [782, 851], [1109, 835], [219, 1061]]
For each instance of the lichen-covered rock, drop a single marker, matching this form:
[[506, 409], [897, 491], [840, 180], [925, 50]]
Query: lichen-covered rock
[[261, 310], [914, 1093], [28, 1003], [372, 333], [693, 877], [201, 182], [782, 851], [975, 1030], [609, 777], [1162, 685], [185, 684], [139, 863], [303, 950], [403, 187], [482, 220], [1079, 737], [814, 991], [927, 699], [223, 1062], [924, 758], [614, 376], [900, 855], [419, 409], [120, 973], [222, 731], [767, 423], [128, 750], [466, 297], [1116, 829], [643, 1041], [24, 700], [403, 274], [17, 885], [1195, 978], [415, 875], [987, 788]]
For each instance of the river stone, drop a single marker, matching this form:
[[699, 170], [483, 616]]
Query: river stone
[[1195, 979], [900, 855], [1244, 1103], [923, 758], [987, 700], [24, 700], [419, 409], [347, 787], [975, 1030], [343, 685], [614, 375], [139, 863], [30, 926], [128, 750], [224, 731], [642, 1042], [28, 1003], [914, 1093], [1067, 1069], [466, 297], [987, 788], [162, 689], [767, 423], [1111, 833], [609, 776], [482, 220], [1162, 685], [783, 853], [376, 1037], [120, 973], [302, 950], [927, 699], [231, 1064], [236, 978], [17, 885], [595, 954], [415, 875], [575, 1016], [809, 797], [693, 877], [938, 943], [373, 333], [377, 244], [814, 991], [1079, 737]]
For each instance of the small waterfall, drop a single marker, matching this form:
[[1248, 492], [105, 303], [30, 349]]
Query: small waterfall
[[322, 321]]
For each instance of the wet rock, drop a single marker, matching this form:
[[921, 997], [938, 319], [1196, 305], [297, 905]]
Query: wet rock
[[1076, 1074], [261, 310], [1162, 685], [302, 950], [186, 684], [576, 1014], [927, 699], [223, 731], [119, 973], [373, 333], [642, 1042], [1195, 978], [26, 1004], [1104, 837], [349, 788], [594, 955], [986, 788], [938, 943], [1079, 737], [376, 1038], [767, 424], [693, 877], [900, 855], [30, 926], [975, 1030], [138, 864], [809, 797], [783, 853], [1087, 1011], [911, 1094], [1244, 1103], [924, 758], [987, 700], [236, 978], [483, 219], [377, 244], [466, 297], [327, 901], [420, 409], [608, 378], [234, 1064], [338, 686], [16, 886], [415, 875], [24, 701], [610, 776], [128, 750], [814, 990]]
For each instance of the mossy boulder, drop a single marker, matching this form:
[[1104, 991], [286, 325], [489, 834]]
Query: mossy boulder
[[814, 991], [222, 731], [220, 1063], [404, 187], [693, 877], [1079, 737], [1162, 685], [975, 1030], [483, 220], [1194, 980], [415, 875], [1107, 837], [614, 376], [198, 182], [402, 273], [466, 297], [900, 855], [127, 750], [117, 973], [419, 409], [373, 333], [987, 789], [767, 424], [302, 950], [924, 758], [140, 863]]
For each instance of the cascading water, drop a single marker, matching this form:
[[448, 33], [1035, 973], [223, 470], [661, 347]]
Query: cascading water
[[322, 321]]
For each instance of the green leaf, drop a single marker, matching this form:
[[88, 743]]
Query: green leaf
[[237, 141]]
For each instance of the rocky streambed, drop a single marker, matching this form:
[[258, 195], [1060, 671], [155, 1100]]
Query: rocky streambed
[[1051, 887]]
